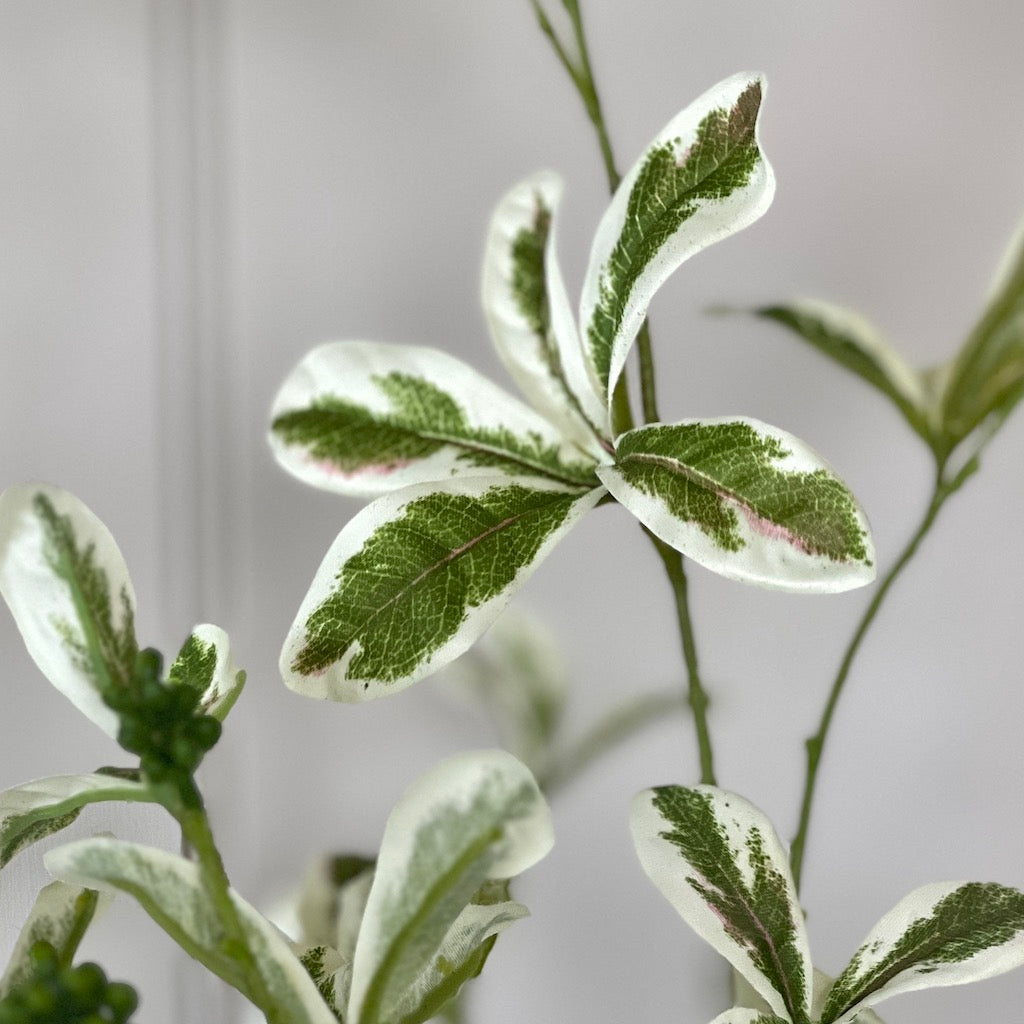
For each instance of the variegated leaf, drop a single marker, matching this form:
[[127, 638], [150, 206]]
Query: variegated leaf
[[530, 318], [67, 585], [360, 417], [745, 500], [170, 890], [851, 341], [332, 899], [702, 179], [473, 817], [461, 955], [332, 974], [948, 933], [34, 810], [717, 860], [60, 916], [415, 578], [744, 995], [205, 663], [987, 377], [741, 1015]]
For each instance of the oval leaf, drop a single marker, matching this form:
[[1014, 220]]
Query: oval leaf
[[717, 860], [851, 341], [170, 890], [529, 314], [948, 933], [988, 374], [702, 179], [60, 916], [68, 588], [34, 810], [416, 577], [471, 818], [361, 417], [205, 663], [747, 501]]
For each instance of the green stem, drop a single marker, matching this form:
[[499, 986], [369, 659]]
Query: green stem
[[196, 832], [816, 743], [618, 725], [697, 696]]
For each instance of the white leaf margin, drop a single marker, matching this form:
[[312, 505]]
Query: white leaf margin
[[38, 598], [768, 558], [228, 680], [346, 370], [515, 341], [921, 903], [331, 683], [667, 867], [711, 223], [179, 898], [453, 786]]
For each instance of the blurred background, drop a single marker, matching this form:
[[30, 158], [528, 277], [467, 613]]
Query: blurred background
[[194, 194]]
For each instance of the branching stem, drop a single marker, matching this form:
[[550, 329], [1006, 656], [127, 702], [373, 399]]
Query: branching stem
[[815, 744]]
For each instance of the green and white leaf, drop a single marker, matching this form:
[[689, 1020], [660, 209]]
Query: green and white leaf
[[170, 890], [361, 417], [702, 179], [416, 577], [948, 933], [35, 810], [716, 858], [461, 956], [743, 994], [746, 500], [68, 588], [987, 378], [332, 974], [517, 673], [741, 1015], [848, 339], [60, 916], [332, 899], [473, 817], [530, 318], [205, 663]]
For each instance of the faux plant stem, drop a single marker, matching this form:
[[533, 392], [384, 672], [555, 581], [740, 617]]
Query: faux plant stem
[[582, 77], [195, 830], [816, 743], [698, 698]]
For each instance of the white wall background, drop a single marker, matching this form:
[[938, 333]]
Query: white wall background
[[193, 194]]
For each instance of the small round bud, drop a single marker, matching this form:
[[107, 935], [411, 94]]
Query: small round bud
[[122, 999]]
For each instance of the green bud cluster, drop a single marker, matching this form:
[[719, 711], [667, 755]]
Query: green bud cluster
[[53, 994], [162, 723]]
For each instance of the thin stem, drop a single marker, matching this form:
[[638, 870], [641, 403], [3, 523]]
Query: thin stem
[[816, 743], [195, 830], [614, 728], [698, 698]]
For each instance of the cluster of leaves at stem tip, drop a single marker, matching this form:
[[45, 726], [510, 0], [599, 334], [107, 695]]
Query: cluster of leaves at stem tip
[[56, 993]]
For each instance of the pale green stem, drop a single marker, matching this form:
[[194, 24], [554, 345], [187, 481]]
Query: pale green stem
[[816, 743], [582, 77], [616, 727], [195, 830], [697, 696]]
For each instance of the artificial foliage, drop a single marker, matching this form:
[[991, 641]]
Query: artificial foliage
[[471, 489]]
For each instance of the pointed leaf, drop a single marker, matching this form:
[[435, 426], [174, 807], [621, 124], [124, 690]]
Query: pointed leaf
[[170, 890], [473, 817], [415, 578], [67, 586], [32, 811], [529, 314], [205, 663], [741, 1015], [360, 417], [702, 179], [852, 342], [717, 860], [745, 500], [60, 916], [988, 374], [948, 933]]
